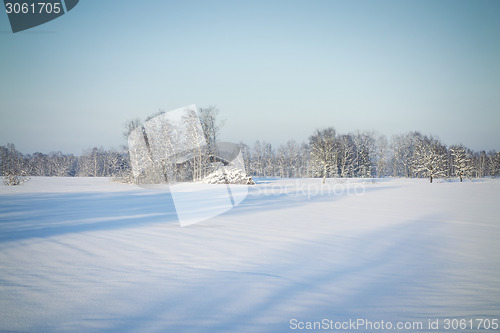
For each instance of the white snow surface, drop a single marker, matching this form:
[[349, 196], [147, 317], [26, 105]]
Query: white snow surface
[[86, 254]]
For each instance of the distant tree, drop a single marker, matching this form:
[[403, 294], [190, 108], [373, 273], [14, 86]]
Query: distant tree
[[323, 149], [461, 162], [304, 159], [382, 155], [91, 163], [112, 163], [480, 161], [13, 166], [293, 158], [282, 162], [39, 165], [131, 125], [365, 147], [403, 149], [268, 159], [195, 138], [159, 148], [257, 159], [211, 125], [153, 115], [495, 163], [60, 165], [429, 158], [346, 155], [247, 156]]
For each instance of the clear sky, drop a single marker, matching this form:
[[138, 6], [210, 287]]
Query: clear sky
[[276, 69]]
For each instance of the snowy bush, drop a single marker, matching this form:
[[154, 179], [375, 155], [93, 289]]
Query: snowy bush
[[13, 180], [228, 176], [125, 177]]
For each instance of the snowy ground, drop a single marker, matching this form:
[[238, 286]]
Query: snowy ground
[[83, 254]]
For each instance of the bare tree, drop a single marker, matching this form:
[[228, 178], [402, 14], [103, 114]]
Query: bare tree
[[211, 125], [130, 126]]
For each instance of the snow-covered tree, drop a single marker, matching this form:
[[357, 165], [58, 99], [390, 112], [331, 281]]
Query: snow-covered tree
[[346, 155], [365, 146], [429, 158], [282, 162], [304, 160], [461, 162], [403, 147], [112, 163], [247, 157], [90, 164], [262, 159], [169, 147], [382, 155], [196, 139], [268, 159], [160, 145], [323, 150], [495, 163], [293, 151], [480, 161], [61, 165], [38, 165], [13, 165], [257, 160]]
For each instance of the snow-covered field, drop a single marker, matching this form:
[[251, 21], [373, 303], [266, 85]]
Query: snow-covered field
[[85, 254]]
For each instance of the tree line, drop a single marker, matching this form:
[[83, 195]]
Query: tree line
[[95, 162], [326, 154], [368, 154]]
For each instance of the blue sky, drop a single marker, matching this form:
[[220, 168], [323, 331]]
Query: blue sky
[[276, 69]]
